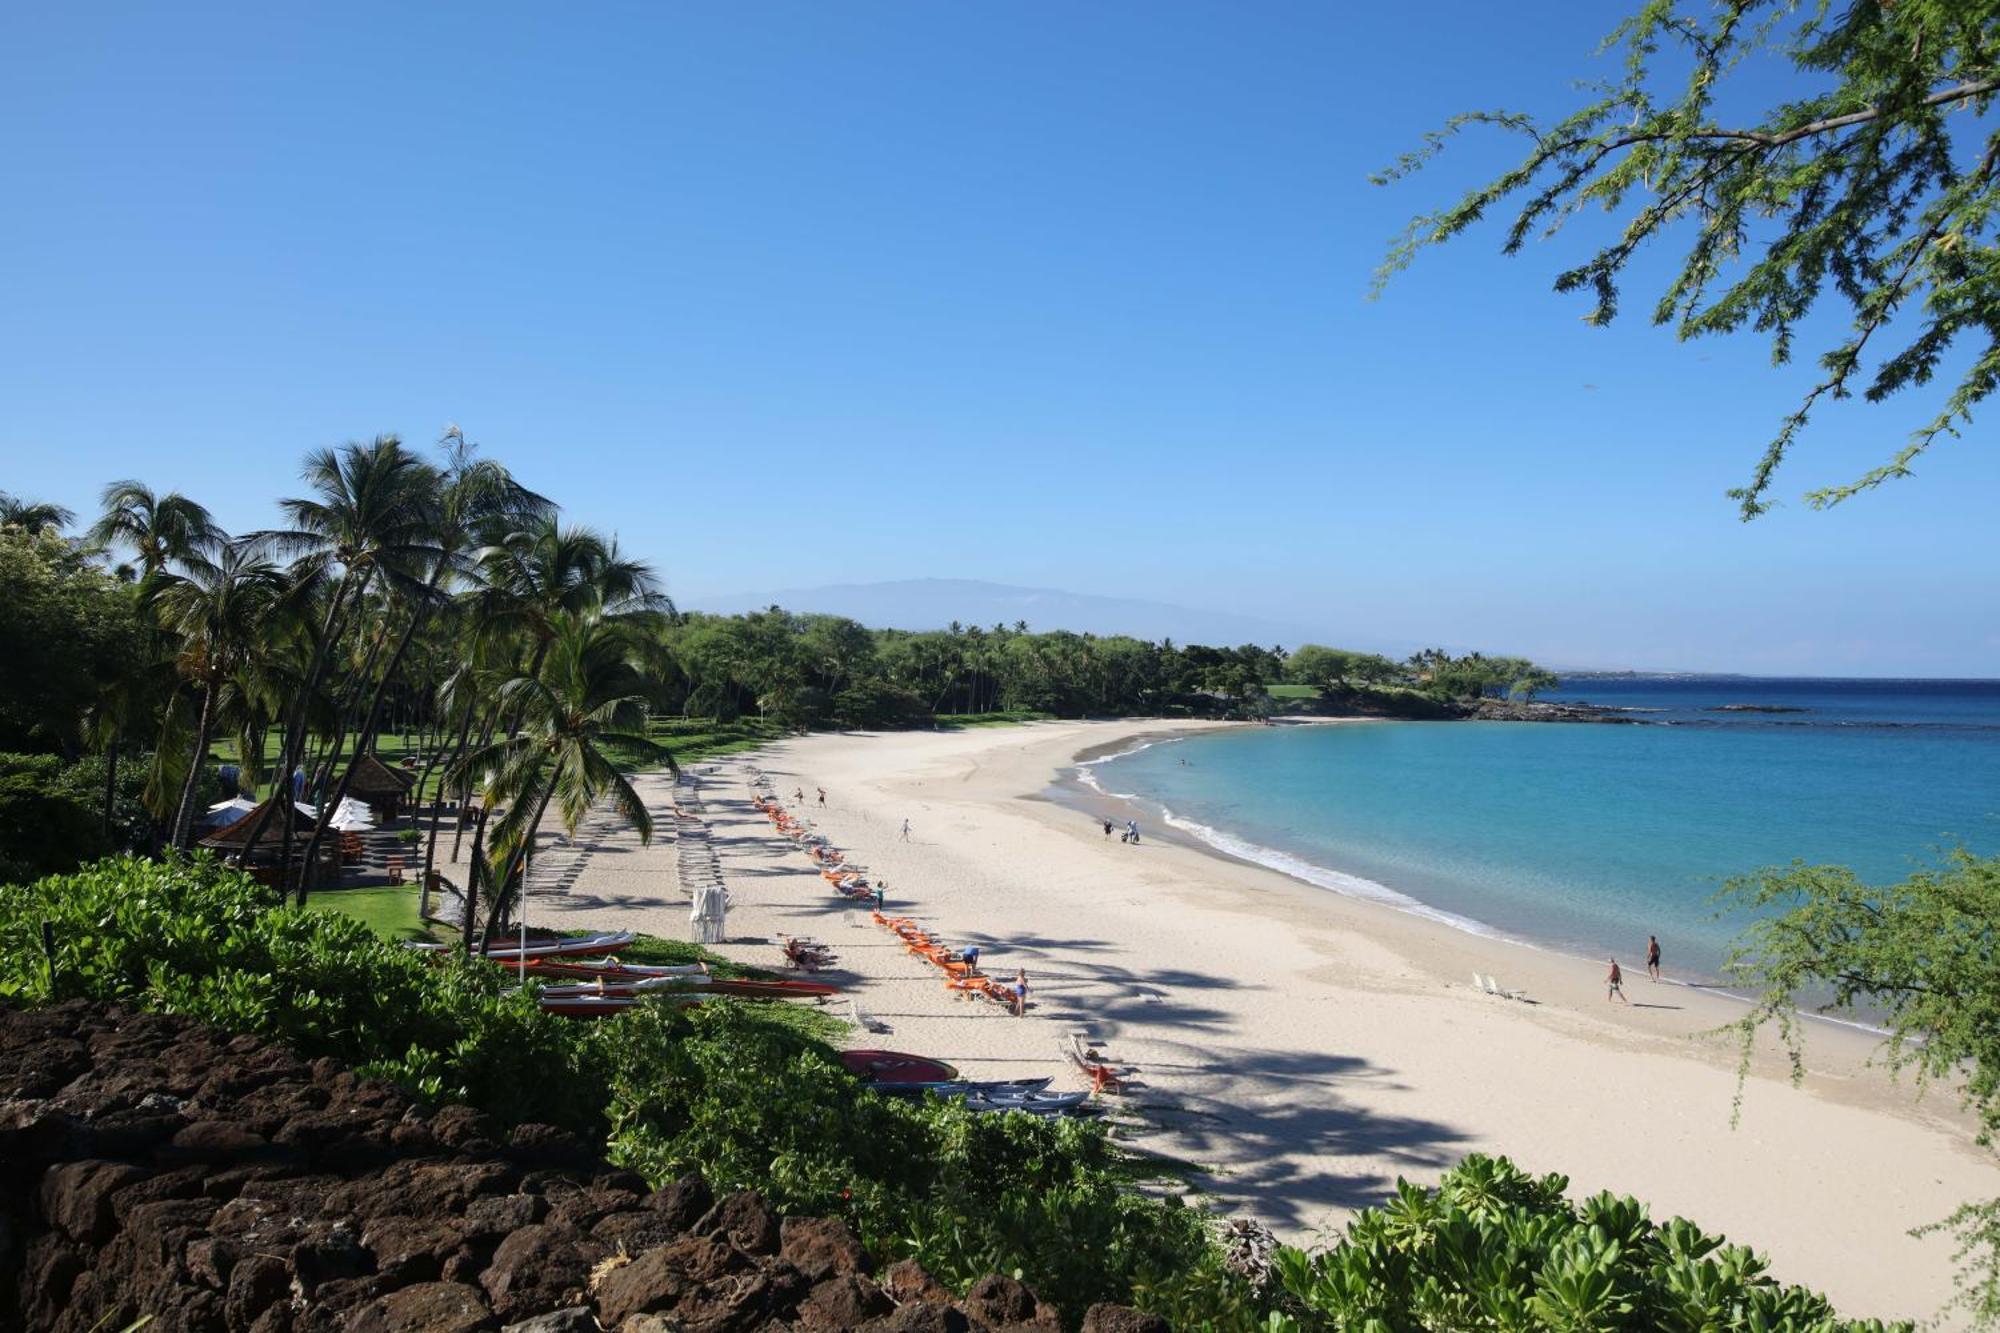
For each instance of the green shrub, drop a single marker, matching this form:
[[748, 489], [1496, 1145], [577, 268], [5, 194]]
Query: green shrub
[[45, 825], [190, 937], [756, 1107], [1495, 1248]]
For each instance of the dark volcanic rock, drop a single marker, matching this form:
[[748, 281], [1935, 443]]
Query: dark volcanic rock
[[746, 1220], [821, 1247], [1121, 1319], [153, 1166]]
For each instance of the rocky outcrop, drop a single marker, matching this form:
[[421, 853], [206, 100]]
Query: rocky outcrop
[[150, 1166]]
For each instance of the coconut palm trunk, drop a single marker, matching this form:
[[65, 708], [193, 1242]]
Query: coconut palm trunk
[[366, 733], [110, 780], [184, 813], [472, 879], [292, 751], [517, 864]]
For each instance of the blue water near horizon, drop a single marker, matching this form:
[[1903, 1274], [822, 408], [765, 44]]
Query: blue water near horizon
[[1587, 837]]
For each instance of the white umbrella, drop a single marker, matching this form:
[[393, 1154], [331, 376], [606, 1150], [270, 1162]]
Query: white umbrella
[[224, 813], [350, 816]]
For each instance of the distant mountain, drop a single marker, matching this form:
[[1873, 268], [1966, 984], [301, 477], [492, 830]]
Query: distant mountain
[[920, 604]]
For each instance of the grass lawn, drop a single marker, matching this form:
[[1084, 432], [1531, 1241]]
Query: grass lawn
[[1293, 691], [390, 912], [959, 721]]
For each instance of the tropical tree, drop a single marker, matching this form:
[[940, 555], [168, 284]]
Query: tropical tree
[[1875, 188], [214, 612], [369, 515], [1919, 959], [160, 529], [472, 496], [32, 515], [588, 695]]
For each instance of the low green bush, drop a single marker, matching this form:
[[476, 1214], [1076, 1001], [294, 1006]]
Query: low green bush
[[741, 1094], [190, 937], [1493, 1247]]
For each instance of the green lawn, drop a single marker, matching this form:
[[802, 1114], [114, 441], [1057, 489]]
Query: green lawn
[[1292, 691], [959, 721], [390, 912]]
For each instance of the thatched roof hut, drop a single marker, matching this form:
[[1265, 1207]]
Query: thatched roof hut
[[379, 786], [234, 839]]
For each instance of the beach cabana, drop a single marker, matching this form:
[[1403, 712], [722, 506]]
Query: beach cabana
[[379, 787], [233, 840]]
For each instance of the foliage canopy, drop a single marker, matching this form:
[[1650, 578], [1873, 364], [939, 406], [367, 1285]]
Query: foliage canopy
[[1874, 187]]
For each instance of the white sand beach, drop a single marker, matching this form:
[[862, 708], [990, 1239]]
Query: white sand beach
[[1302, 1048]]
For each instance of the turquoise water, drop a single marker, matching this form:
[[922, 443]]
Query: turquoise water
[[1587, 837]]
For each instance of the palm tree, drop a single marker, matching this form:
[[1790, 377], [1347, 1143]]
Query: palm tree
[[214, 612], [369, 516], [471, 495], [163, 531], [160, 529], [587, 695], [34, 515]]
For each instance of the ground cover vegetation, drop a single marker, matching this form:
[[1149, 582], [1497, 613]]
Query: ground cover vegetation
[[1805, 160], [753, 1102]]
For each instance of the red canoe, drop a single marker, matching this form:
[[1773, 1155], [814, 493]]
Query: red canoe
[[896, 1067]]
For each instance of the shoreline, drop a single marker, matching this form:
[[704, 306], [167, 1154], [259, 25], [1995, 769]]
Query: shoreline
[[1072, 791], [1302, 1047]]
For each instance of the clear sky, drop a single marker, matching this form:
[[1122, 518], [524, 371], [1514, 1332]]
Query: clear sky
[[1065, 295]]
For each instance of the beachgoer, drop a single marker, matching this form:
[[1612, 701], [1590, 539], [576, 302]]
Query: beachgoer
[[822, 795], [1107, 828], [906, 830], [970, 958], [1020, 992], [1653, 957], [1132, 830], [799, 795], [879, 886], [1614, 984]]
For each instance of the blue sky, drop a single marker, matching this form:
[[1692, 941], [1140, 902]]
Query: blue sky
[[1060, 295]]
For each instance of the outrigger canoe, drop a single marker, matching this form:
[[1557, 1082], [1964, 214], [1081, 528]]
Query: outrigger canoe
[[748, 988], [896, 1067], [514, 953], [962, 1088], [607, 967]]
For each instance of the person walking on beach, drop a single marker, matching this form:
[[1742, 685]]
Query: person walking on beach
[[1020, 991], [822, 797], [1653, 957], [1107, 828], [1614, 984], [799, 795], [906, 830], [1131, 831], [879, 886]]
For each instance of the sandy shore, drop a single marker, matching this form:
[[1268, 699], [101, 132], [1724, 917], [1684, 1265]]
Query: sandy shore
[[1304, 1049]]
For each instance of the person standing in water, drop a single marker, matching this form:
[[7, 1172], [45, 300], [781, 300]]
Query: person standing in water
[[1653, 957], [1614, 984]]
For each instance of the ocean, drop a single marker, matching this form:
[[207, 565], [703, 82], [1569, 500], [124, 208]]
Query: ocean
[[1587, 837]]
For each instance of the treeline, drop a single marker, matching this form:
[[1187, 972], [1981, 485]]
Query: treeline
[[433, 597], [808, 671]]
